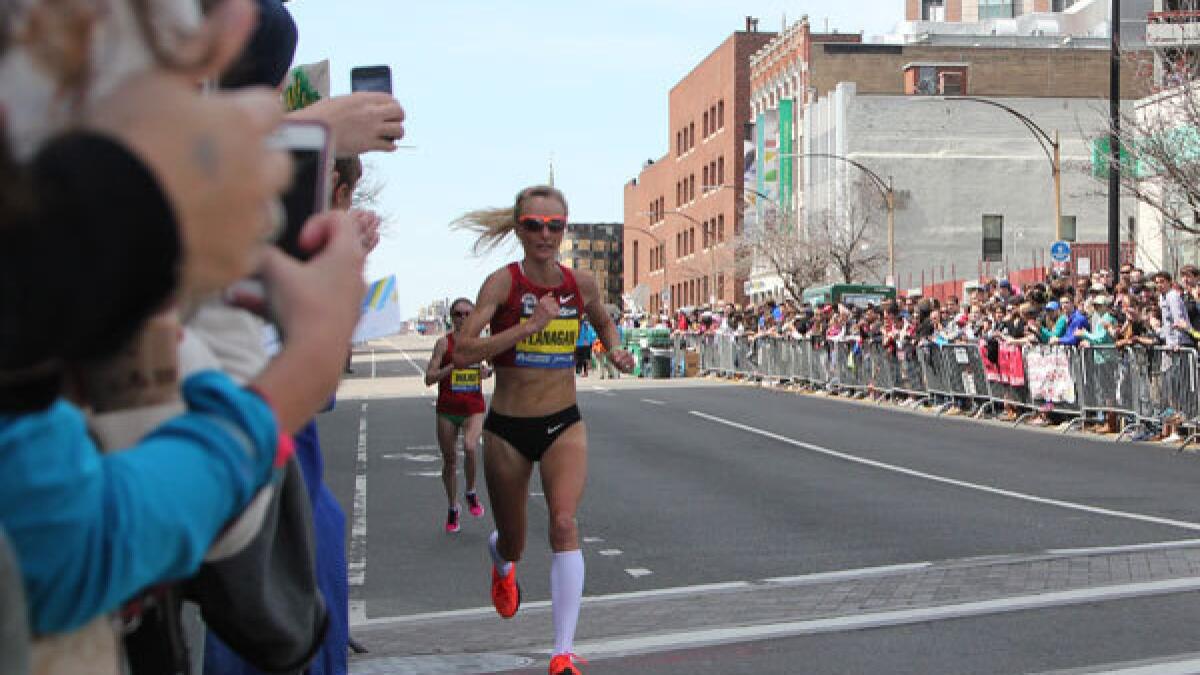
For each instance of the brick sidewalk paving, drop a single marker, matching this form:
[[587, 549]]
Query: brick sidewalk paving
[[769, 602]]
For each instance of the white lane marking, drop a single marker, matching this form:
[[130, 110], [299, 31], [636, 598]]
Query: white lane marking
[[1131, 548], [652, 401], [413, 458], [537, 494], [357, 565], [1189, 667], [587, 600], [1182, 524], [1181, 664], [372, 364], [841, 575], [638, 572], [592, 540], [358, 611], [420, 447], [425, 474], [701, 638], [609, 552]]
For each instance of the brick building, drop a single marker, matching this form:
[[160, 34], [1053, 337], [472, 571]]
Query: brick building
[[599, 249], [679, 226], [951, 158]]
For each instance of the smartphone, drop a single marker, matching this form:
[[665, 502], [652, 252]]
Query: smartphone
[[311, 146], [371, 78]]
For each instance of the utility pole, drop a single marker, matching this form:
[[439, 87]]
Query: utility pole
[[1114, 141]]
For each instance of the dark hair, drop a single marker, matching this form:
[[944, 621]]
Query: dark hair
[[1162, 274], [268, 54], [349, 171]]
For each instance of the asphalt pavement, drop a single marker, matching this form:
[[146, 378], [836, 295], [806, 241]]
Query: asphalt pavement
[[731, 528]]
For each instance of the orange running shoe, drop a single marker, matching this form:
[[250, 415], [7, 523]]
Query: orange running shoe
[[506, 592], [565, 664]]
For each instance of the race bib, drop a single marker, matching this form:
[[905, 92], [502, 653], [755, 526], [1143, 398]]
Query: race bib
[[465, 381], [553, 347]]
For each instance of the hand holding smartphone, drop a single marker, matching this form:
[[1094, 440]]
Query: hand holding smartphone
[[310, 145], [371, 78]]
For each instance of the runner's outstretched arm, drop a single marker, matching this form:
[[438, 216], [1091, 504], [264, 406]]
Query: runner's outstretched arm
[[606, 330]]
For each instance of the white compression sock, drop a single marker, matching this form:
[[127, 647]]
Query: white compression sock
[[502, 565], [566, 593]]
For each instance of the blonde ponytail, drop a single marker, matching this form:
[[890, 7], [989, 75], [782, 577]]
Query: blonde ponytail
[[494, 225]]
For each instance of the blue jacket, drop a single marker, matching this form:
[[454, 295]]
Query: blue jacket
[[587, 335], [91, 531], [1076, 321]]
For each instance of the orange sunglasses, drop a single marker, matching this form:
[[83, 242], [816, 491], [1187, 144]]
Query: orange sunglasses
[[532, 223]]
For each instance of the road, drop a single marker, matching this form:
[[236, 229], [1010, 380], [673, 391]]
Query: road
[[730, 529]]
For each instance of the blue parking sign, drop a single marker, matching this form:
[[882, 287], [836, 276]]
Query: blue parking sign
[[1060, 251]]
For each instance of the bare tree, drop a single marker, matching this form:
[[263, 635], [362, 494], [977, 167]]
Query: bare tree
[[1160, 139], [796, 260], [850, 235]]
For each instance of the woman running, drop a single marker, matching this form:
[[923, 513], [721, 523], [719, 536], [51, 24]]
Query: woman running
[[534, 308], [460, 407]]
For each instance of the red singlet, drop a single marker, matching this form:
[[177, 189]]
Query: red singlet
[[461, 393], [554, 346]]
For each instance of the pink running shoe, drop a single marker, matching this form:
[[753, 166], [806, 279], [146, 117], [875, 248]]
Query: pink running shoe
[[473, 505], [452, 520]]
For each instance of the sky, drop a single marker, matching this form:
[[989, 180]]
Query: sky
[[495, 90]]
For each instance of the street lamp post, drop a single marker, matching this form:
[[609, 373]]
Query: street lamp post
[[1049, 145], [886, 190], [663, 244]]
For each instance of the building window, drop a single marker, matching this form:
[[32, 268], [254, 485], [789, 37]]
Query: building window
[[721, 227], [721, 170], [706, 124], [993, 238], [712, 114], [935, 10], [678, 143], [995, 9], [705, 186], [678, 193], [635, 263], [1068, 228], [721, 114], [691, 240], [678, 245], [692, 135], [692, 187], [720, 286]]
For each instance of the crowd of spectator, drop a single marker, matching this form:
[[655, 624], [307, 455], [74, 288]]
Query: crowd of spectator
[[162, 505], [1129, 309]]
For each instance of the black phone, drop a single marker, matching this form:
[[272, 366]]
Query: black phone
[[371, 78]]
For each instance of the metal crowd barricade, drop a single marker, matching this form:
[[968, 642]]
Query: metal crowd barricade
[[883, 372], [909, 379], [964, 375], [936, 375], [1054, 378], [1109, 380], [1166, 392]]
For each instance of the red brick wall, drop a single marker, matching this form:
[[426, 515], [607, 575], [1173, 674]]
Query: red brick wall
[[722, 76]]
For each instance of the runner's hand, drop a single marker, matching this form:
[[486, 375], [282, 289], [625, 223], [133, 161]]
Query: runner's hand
[[623, 360], [546, 311]]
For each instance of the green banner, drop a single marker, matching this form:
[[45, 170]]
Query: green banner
[[787, 148]]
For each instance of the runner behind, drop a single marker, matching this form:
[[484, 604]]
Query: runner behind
[[460, 408]]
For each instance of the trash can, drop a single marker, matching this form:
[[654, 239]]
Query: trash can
[[659, 363]]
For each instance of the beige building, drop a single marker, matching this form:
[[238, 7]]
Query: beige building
[[597, 248]]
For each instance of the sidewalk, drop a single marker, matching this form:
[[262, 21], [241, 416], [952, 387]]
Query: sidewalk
[[739, 611]]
